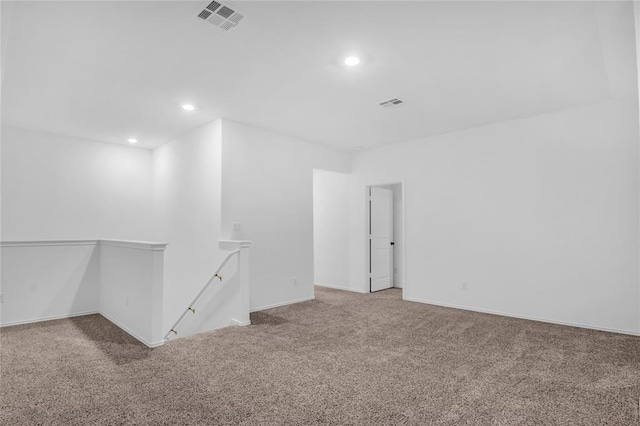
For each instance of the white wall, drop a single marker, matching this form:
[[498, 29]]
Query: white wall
[[131, 288], [538, 215], [331, 229], [122, 280], [48, 281], [267, 186], [56, 187], [187, 212]]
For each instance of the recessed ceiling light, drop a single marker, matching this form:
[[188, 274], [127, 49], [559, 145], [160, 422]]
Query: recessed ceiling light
[[352, 61], [188, 107], [132, 140]]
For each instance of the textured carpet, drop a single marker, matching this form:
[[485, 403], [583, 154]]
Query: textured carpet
[[344, 358]]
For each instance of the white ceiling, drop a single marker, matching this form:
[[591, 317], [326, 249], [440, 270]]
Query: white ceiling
[[110, 70]]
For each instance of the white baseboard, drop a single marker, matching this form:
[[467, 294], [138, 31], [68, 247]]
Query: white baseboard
[[235, 322], [525, 317], [142, 340], [277, 305], [50, 318], [336, 287]]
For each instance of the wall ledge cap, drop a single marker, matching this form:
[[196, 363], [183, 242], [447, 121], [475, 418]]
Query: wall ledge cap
[[234, 244], [140, 245]]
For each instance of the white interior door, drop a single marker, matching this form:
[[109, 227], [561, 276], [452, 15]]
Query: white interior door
[[380, 238]]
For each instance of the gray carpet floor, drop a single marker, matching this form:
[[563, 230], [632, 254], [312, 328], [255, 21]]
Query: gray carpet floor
[[344, 358]]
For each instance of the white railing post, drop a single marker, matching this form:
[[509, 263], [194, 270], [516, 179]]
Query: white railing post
[[243, 275]]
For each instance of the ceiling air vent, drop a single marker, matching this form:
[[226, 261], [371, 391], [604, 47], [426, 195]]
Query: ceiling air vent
[[204, 14], [391, 103], [221, 15]]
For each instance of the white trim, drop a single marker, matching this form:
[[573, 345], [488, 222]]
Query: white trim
[[51, 318], [525, 317], [235, 323], [139, 245], [48, 243], [233, 244], [81, 314], [636, 14], [404, 237], [336, 287], [367, 239], [277, 305], [131, 333]]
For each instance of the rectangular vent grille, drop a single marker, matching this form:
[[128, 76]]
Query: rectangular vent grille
[[213, 6], [225, 12], [227, 25], [221, 15], [204, 14], [391, 103], [235, 18]]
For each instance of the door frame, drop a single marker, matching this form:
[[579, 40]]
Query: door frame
[[367, 251]]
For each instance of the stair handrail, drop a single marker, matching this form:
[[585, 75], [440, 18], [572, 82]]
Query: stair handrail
[[204, 288]]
